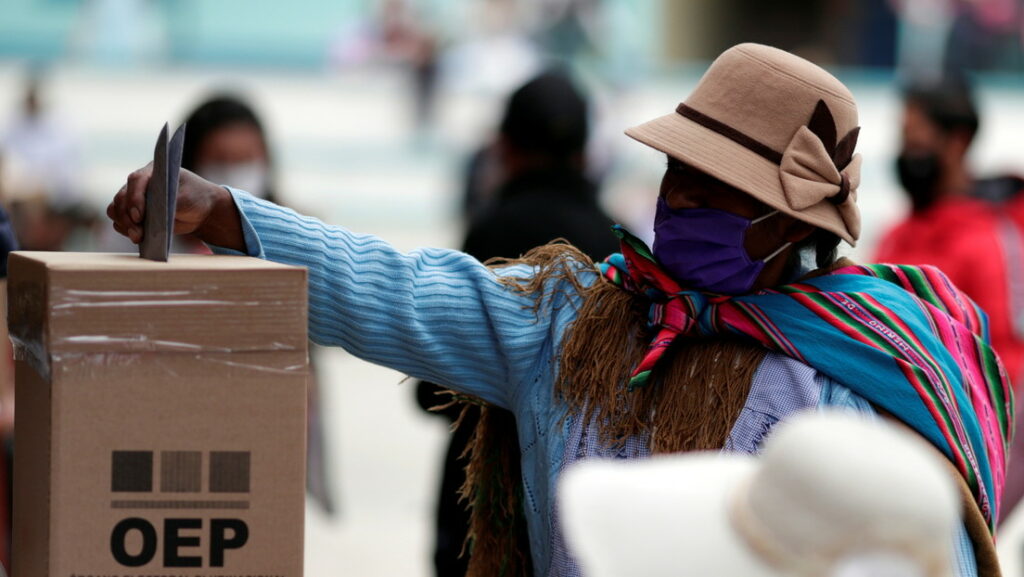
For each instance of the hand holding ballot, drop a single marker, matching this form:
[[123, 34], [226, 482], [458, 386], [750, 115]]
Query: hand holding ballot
[[203, 208]]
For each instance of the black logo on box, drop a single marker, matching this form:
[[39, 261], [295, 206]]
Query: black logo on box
[[134, 541], [180, 472]]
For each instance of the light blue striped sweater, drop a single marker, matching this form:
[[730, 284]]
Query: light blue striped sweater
[[440, 315]]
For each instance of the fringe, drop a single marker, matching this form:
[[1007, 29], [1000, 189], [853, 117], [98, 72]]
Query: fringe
[[695, 395], [498, 542]]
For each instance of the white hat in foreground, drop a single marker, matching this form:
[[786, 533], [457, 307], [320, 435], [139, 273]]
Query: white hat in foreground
[[832, 495]]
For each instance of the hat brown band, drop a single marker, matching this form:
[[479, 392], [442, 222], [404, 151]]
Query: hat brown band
[[821, 115], [729, 132]]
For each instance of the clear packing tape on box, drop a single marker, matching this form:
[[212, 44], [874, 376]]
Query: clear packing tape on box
[[196, 310]]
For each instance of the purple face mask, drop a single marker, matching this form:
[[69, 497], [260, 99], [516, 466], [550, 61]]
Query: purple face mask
[[702, 248]]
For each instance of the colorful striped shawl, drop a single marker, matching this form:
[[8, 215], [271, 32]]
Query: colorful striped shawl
[[902, 337]]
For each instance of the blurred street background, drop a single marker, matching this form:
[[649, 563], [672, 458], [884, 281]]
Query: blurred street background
[[371, 111]]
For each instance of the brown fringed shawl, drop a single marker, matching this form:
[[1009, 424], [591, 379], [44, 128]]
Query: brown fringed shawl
[[691, 405]]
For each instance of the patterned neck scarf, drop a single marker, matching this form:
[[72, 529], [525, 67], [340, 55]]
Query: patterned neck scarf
[[902, 337]]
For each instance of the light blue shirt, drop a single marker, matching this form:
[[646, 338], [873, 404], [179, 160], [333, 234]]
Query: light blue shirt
[[440, 315]]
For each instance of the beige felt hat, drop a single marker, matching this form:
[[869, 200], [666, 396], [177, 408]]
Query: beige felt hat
[[777, 127], [832, 495]]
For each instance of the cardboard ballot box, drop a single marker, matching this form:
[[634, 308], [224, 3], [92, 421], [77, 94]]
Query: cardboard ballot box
[[160, 415]]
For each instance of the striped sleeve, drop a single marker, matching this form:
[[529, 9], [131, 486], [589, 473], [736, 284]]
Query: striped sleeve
[[433, 314]]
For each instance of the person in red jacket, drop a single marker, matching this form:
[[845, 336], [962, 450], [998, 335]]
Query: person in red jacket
[[952, 226]]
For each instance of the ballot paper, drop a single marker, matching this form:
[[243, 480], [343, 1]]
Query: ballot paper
[[161, 195]]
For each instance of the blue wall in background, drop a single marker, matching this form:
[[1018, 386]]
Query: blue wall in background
[[266, 33], [295, 33]]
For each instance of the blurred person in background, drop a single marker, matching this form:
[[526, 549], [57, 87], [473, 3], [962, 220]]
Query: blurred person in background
[[542, 194], [545, 192], [43, 180], [949, 226], [404, 37], [400, 34], [225, 139], [740, 316], [225, 142], [41, 151]]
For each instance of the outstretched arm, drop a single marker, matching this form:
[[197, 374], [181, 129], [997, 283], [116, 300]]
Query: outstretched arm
[[431, 313]]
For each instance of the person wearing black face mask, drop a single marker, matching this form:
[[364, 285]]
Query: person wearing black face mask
[[939, 124], [950, 226]]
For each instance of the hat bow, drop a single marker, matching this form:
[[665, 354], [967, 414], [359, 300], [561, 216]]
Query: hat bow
[[815, 168]]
